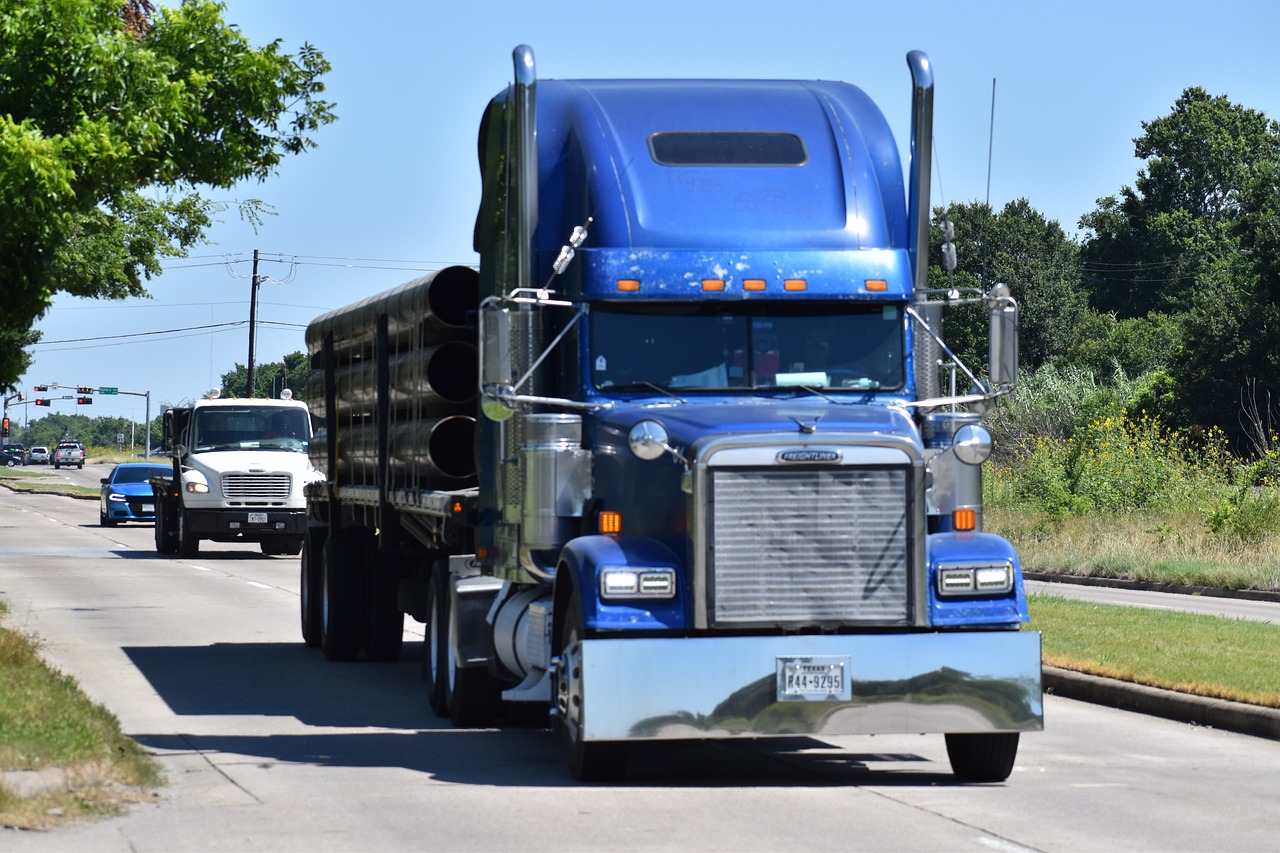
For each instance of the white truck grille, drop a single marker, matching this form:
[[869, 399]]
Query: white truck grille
[[809, 547], [256, 487]]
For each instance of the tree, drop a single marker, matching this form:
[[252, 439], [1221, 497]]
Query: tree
[[270, 379], [1029, 253], [112, 115], [1197, 238], [1205, 165]]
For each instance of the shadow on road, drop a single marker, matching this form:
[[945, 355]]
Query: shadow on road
[[274, 679]]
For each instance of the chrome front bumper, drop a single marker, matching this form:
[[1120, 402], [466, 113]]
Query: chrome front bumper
[[723, 687]]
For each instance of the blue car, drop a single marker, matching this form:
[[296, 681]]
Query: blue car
[[126, 494]]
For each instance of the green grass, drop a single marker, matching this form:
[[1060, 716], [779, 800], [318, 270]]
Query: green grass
[[1230, 659], [47, 721]]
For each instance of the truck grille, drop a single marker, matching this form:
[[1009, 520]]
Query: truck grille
[[809, 547], [256, 487]]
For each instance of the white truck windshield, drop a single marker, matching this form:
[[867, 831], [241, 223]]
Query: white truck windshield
[[249, 427]]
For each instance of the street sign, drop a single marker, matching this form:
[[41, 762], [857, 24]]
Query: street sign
[[105, 390]]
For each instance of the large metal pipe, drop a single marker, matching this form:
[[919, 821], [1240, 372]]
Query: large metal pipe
[[435, 306], [426, 380]]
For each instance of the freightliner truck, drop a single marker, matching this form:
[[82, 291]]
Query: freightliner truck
[[239, 469], [684, 459]]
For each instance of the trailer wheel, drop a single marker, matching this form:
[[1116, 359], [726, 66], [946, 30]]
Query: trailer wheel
[[310, 585], [384, 621], [342, 608], [188, 541], [982, 757], [589, 761]]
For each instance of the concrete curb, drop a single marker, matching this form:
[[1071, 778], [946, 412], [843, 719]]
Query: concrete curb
[[1183, 707], [1149, 586]]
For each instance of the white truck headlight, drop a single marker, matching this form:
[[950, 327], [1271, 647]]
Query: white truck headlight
[[955, 580], [619, 582]]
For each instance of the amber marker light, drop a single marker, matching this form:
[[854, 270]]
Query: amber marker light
[[795, 284], [877, 285], [628, 285], [964, 519], [712, 284], [610, 522], [753, 284]]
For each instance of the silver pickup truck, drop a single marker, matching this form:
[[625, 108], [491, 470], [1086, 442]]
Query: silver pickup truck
[[68, 454]]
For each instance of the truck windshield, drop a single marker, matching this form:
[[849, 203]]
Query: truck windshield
[[754, 345], [249, 428]]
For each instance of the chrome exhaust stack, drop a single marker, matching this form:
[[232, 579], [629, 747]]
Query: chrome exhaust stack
[[926, 352]]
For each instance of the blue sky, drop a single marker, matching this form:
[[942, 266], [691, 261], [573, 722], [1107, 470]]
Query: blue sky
[[392, 189]]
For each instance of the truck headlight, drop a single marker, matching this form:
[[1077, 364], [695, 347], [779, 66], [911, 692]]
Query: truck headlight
[[618, 582], [195, 483], [974, 579]]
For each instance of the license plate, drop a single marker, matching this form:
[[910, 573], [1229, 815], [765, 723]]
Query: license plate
[[148, 507], [257, 518], [813, 679]]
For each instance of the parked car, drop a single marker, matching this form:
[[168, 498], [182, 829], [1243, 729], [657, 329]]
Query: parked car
[[12, 457], [69, 453], [126, 494], [39, 455]]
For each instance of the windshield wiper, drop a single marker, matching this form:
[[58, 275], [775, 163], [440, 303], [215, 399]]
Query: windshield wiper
[[637, 386]]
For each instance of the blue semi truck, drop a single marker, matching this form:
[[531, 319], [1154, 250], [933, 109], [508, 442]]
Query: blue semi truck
[[685, 457]]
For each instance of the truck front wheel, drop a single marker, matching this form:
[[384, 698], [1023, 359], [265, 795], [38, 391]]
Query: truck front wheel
[[166, 536], [598, 761], [982, 757], [437, 639], [188, 541]]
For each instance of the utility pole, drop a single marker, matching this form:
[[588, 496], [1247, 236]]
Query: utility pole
[[253, 321]]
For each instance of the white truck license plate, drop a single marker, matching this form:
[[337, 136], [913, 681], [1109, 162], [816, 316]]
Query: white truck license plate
[[257, 518], [813, 679]]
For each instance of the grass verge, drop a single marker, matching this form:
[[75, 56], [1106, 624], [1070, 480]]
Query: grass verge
[[43, 481], [1172, 549], [46, 721], [1232, 659]]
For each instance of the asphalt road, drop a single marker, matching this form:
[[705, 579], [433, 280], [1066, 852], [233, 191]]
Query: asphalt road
[[269, 747]]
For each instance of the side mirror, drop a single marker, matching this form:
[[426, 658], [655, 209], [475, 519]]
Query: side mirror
[[1003, 312], [495, 361]]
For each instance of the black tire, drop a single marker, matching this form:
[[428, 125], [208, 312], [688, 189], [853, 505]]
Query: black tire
[[311, 594], [436, 643], [589, 761], [342, 611], [384, 620], [291, 547], [104, 519], [982, 757], [188, 541], [473, 695], [166, 535]]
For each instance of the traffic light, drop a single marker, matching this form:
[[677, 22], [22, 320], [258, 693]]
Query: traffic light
[[6, 428], [84, 391], [84, 401], [42, 387], [44, 402]]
